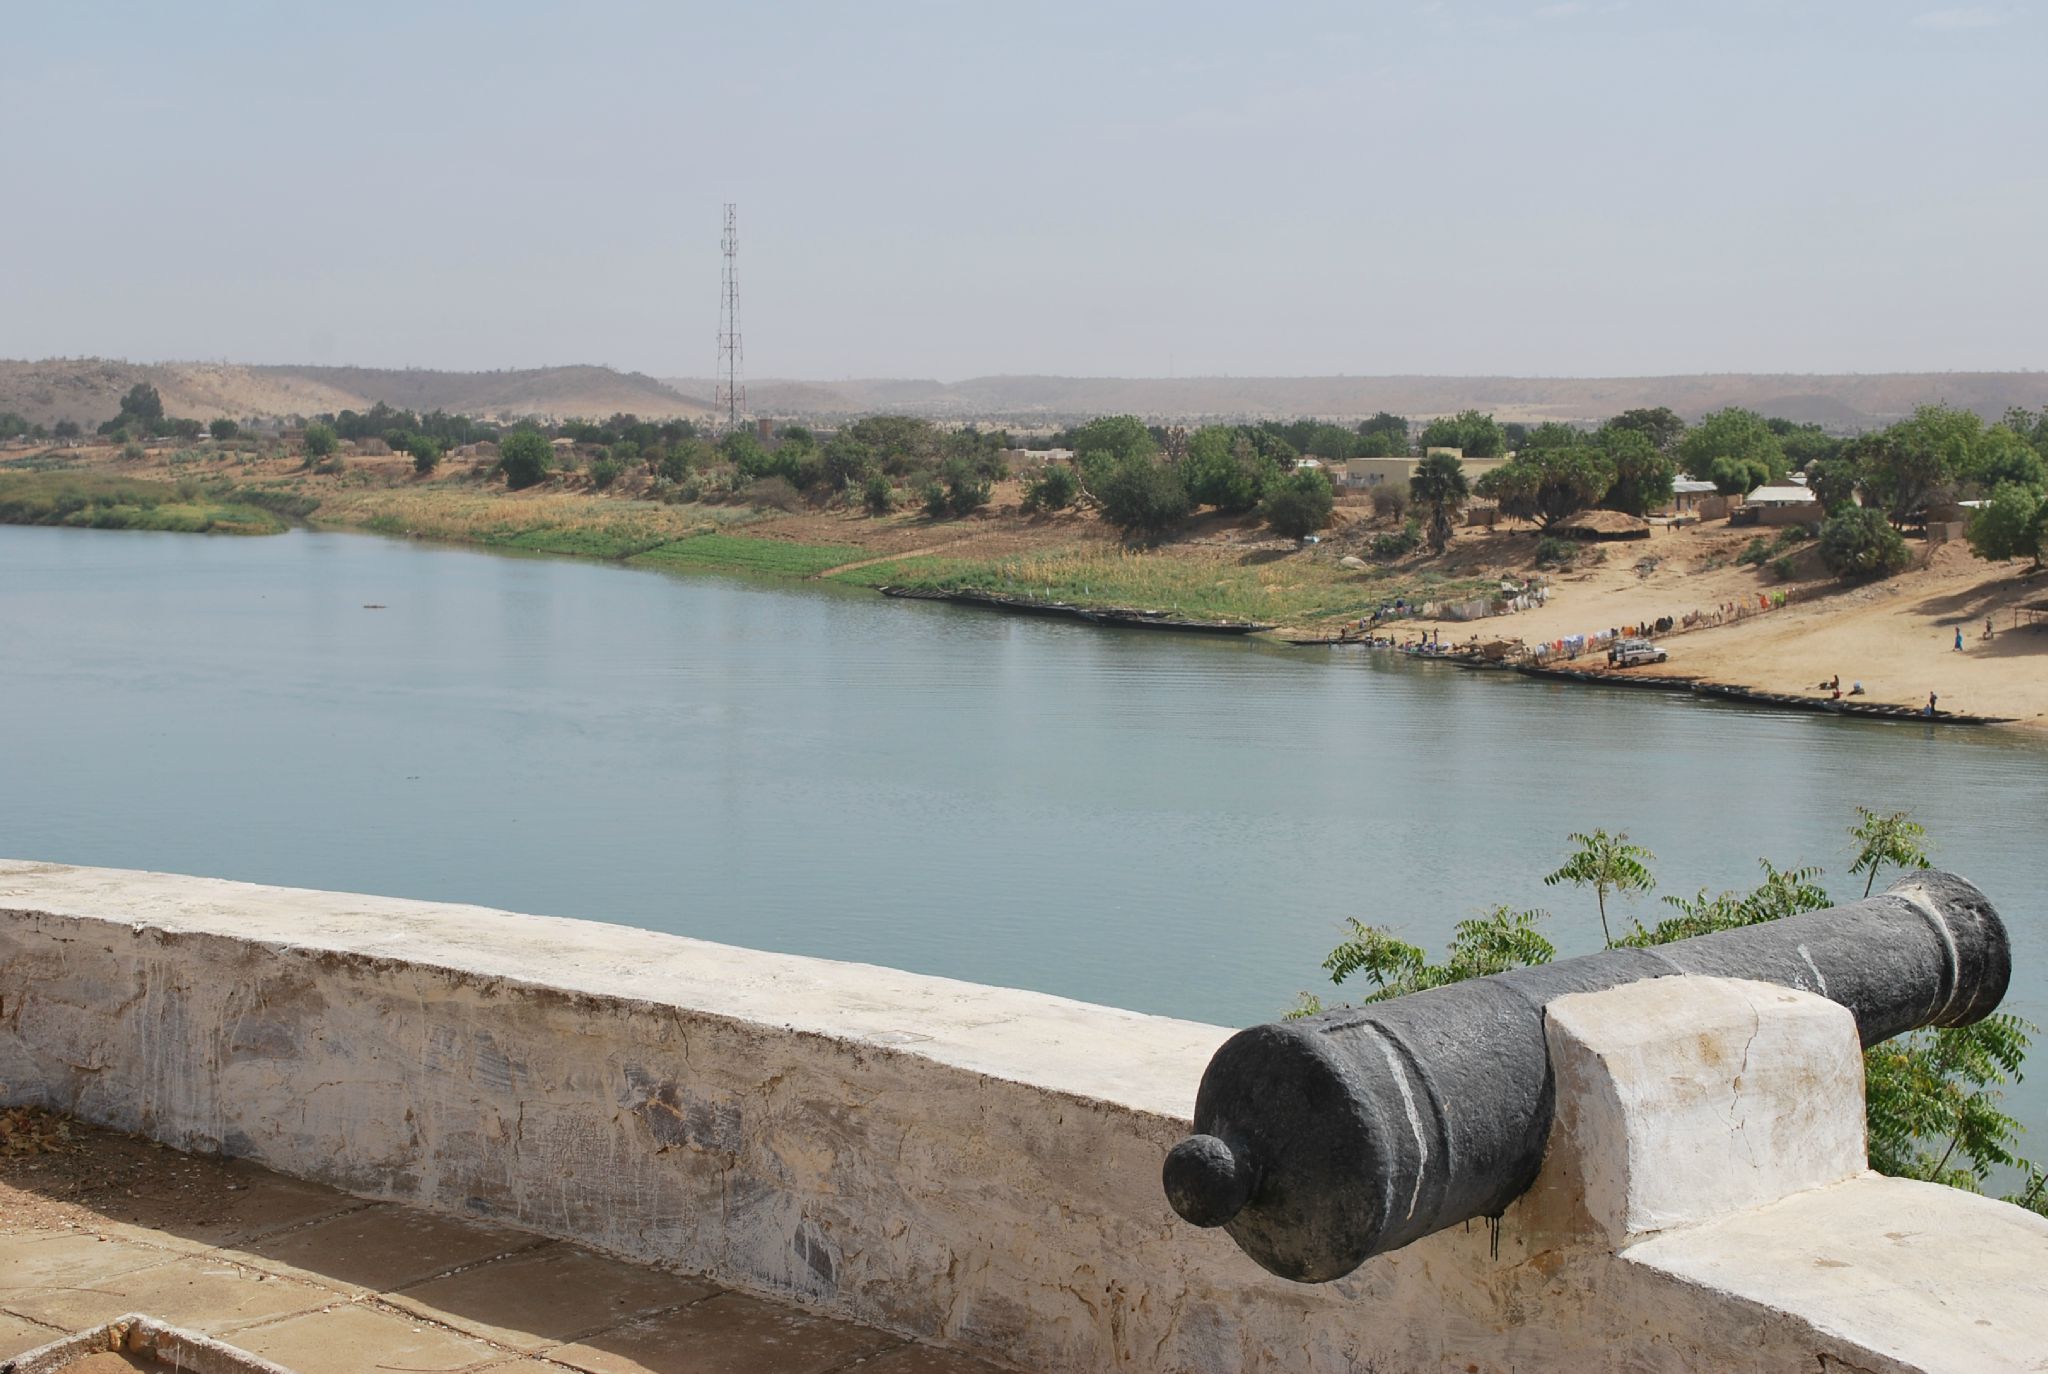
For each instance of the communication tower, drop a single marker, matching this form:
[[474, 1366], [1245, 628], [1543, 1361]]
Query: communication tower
[[729, 399]]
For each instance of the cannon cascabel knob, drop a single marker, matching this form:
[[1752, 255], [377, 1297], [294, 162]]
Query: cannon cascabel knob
[[1205, 1181]]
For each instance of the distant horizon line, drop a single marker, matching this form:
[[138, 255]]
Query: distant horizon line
[[1050, 376]]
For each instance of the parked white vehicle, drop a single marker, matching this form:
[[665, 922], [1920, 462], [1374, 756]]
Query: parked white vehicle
[[1627, 653]]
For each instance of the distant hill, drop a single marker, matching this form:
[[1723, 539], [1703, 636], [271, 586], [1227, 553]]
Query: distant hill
[[89, 391], [1840, 402]]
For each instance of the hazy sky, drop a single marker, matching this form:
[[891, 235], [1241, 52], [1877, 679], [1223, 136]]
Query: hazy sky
[[950, 189]]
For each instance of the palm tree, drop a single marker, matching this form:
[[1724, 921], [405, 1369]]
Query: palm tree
[[1439, 484], [1606, 863]]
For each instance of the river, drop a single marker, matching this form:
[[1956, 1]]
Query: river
[[1170, 824]]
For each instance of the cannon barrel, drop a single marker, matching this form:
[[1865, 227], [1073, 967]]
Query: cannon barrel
[[1325, 1141]]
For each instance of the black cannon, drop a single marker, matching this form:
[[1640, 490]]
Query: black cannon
[[1331, 1139]]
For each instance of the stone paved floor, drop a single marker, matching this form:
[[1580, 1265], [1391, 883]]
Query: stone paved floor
[[94, 1225]]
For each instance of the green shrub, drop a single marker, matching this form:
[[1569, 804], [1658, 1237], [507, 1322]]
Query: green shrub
[[876, 495], [1398, 544], [1144, 499], [606, 471], [133, 451], [321, 440], [525, 456], [224, 429], [1299, 503], [1552, 552], [1786, 568], [1755, 553], [1860, 542], [935, 504], [1054, 488], [967, 491]]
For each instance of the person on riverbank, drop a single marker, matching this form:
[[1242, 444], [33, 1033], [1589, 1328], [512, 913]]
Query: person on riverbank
[[1931, 700], [1959, 639]]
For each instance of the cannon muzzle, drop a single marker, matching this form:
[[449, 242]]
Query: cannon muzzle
[[1325, 1141]]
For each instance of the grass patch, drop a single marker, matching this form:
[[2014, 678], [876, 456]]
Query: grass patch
[[738, 553], [1295, 590], [555, 522], [84, 500]]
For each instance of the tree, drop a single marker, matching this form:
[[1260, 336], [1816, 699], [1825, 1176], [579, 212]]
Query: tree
[[2003, 456], [426, 453], [967, 491], [1439, 486], [1896, 839], [1143, 499], [1549, 483], [1920, 458], [2012, 524], [1385, 435], [1643, 476], [12, 424], [1299, 503], [1732, 433], [66, 429], [1737, 476], [1661, 426], [1473, 432], [847, 461], [525, 456], [1606, 863], [1833, 481], [1803, 444], [1225, 469], [1858, 542], [877, 497], [321, 440], [224, 429], [898, 444], [141, 402], [1054, 488]]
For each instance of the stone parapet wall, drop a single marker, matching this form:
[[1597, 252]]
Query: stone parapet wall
[[974, 1165]]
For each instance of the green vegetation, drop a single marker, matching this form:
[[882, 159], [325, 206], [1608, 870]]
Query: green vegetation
[[737, 553], [1734, 449], [97, 501], [525, 456], [1439, 486], [1859, 542], [1053, 488], [1606, 863], [1299, 504], [2013, 525], [1396, 543], [1932, 1097], [1142, 498], [1293, 591], [321, 440], [1558, 474], [1476, 434], [877, 497]]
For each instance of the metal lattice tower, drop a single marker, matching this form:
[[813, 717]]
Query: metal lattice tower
[[729, 399]]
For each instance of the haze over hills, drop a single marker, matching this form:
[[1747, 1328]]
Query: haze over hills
[[89, 391], [1842, 402]]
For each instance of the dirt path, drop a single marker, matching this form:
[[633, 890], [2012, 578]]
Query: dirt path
[[925, 552]]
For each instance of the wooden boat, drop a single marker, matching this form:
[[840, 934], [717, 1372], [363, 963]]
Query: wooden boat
[[1116, 617]]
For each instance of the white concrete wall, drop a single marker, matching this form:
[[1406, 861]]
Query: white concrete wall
[[973, 1164]]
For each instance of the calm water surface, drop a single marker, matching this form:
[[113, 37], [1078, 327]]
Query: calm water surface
[[1161, 823]]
